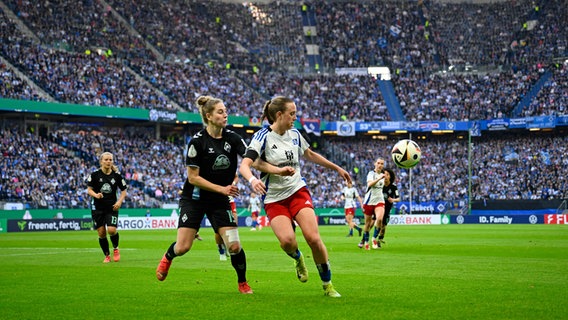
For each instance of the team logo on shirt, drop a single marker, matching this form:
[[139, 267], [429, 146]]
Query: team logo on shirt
[[289, 155], [222, 162], [227, 147], [106, 188]]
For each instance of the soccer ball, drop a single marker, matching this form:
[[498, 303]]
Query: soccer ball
[[406, 154]]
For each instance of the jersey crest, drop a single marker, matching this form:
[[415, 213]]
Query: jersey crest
[[227, 147], [191, 152], [221, 162]]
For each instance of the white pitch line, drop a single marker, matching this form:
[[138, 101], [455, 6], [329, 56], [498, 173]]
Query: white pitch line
[[49, 251]]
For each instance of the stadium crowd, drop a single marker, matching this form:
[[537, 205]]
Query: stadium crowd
[[49, 170], [242, 52], [160, 55]]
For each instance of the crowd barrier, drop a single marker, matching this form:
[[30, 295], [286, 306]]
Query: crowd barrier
[[170, 222]]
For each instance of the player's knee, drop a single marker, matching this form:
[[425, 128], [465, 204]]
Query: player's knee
[[314, 241], [181, 248], [234, 248], [288, 244]]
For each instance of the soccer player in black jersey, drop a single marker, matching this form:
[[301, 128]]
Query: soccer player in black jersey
[[390, 191], [103, 185], [211, 162]]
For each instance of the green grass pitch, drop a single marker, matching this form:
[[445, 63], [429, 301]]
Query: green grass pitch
[[423, 272]]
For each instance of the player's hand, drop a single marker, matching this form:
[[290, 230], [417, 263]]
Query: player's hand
[[231, 190], [287, 171], [345, 175], [258, 186]]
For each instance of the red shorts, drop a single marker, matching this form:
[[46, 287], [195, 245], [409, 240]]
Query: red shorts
[[370, 210], [233, 206], [254, 214], [291, 206], [349, 211]]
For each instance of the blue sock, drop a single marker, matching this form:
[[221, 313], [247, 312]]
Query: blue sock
[[295, 255], [376, 233], [324, 272], [221, 248]]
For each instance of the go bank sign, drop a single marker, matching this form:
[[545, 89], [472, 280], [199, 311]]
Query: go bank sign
[[145, 223], [415, 219]]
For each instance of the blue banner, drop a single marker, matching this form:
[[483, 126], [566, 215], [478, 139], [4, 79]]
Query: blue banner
[[495, 124], [562, 120], [429, 207], [541, 122], [498, 219], [345, 128]]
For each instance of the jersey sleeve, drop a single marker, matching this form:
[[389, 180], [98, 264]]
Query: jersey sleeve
[[91, 180], [192, 154], [304, 144], [239, 143], [256, 145], [370, 176], [122, 183]]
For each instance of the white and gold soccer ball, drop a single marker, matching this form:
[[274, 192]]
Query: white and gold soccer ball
[[406, 154]]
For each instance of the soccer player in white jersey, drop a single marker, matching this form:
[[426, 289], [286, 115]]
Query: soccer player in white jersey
[[254, 208], [286, 197], [349, 195], [374, 202]]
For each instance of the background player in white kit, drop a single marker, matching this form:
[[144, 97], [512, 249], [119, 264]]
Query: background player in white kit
[[349, 195]]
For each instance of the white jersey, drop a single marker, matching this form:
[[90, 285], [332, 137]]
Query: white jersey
[[350, 195], [374, 194], [255, 204], [281, 151]]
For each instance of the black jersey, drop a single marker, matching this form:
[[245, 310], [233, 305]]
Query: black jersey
[[217, 162], [391, 191], [108, 185]]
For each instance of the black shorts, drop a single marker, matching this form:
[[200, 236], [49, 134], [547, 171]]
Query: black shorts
[[191, 214], [104, 217]]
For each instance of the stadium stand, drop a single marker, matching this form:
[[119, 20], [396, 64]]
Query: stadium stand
[[500, 60], [506, 166]]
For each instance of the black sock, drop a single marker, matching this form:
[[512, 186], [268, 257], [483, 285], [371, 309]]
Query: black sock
[[114, 240], [239, 262], [170, 254], [103, 242]]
